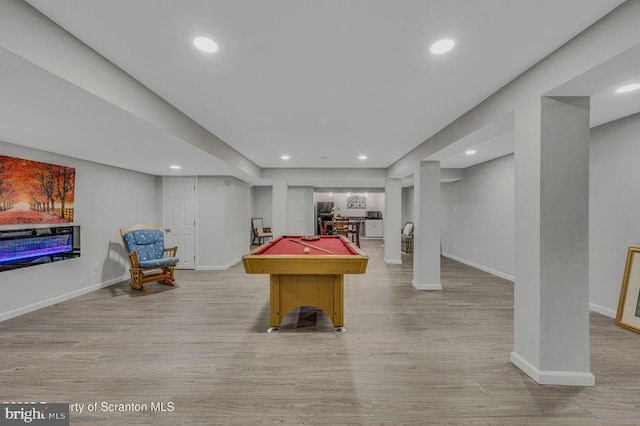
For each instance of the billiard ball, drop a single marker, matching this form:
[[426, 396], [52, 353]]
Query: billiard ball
[[306, 249]]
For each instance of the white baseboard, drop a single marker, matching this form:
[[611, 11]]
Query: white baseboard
[[563, 378], [218, 267], [58, 299], [592, 306], [482, 268], [602, 310], [418, 286], [393, 261]]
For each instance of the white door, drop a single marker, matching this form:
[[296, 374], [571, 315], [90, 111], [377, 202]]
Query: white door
[[296, 212], [178, 218]]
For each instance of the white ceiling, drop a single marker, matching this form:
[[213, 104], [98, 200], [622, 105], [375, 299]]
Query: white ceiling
[[312, 79], [600, 83], [43, 111], [491, 141], [608, 105]]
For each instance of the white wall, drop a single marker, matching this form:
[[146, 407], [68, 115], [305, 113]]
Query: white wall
[[210, 217], [407, 205], [375, 202], [478, 217], [263, 204], [106, 199], [614, 208], [310, 219], [237, 221], [222, 222]]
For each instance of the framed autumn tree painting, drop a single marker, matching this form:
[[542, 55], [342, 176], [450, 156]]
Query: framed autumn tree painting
[[32, 192]]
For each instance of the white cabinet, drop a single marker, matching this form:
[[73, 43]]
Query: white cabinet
[[373, 228]]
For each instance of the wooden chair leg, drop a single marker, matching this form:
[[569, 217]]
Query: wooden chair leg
[[136, 281], [171, 280]]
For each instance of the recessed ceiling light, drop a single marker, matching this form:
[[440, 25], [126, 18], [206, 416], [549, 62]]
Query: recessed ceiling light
[[205, 44], [175, 167], [331, 194], [470, 151], [348, 194], [284, 157], [442, 46], [362, 157], [628, 88]]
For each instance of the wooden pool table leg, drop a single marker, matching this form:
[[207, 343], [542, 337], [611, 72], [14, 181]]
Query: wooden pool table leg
[[338, 303], [274, 303]]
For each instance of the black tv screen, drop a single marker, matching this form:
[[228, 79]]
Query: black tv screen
[[27, 247]]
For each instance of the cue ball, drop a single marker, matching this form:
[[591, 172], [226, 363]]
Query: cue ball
[[306, 249]]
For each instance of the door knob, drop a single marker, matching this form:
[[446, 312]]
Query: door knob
[[167, 230]]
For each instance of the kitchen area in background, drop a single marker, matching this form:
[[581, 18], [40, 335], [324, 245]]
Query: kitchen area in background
[[365, 207]]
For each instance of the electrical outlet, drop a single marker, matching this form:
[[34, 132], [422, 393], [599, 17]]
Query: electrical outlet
[[96, 266]]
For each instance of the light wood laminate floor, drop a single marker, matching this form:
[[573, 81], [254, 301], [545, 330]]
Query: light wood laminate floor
[[408, 357]]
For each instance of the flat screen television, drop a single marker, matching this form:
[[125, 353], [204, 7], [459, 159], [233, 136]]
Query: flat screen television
[[27, 247]]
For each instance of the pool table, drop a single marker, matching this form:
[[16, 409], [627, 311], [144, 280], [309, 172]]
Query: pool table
[[315, 278]]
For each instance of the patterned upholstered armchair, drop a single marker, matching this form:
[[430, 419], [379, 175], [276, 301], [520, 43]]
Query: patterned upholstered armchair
[[260, 232], [406, 238], [149, 260]]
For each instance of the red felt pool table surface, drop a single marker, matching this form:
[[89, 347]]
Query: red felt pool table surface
[[292, 245]]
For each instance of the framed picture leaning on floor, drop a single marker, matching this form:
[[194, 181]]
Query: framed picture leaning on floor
[[628, 315]]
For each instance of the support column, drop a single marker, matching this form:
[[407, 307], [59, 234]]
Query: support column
[[280, 190], [426, 234], [551, 289], [392, 220]]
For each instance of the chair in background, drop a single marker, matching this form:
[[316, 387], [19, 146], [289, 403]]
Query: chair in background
[[149, 260], [354, 232], [406, 242], [327, 227], [260, 232], [341, 227]]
